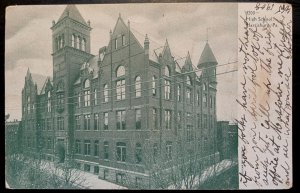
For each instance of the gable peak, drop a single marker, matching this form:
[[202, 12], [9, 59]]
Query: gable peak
[[72, 12]]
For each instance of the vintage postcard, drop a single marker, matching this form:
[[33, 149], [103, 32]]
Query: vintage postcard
[[148, 96]]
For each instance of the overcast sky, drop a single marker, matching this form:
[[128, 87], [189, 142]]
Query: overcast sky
[[28, 40]]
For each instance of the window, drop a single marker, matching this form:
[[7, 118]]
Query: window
[[78, 39], [116, 43], [121, 125], [121, 152], [95, 97], [120, 178], [49, 143], [28, 104], [138, 86], [96, 170], [198, 98], [188, 95], [167, 90], [62, 40], [138, 153], [87, 122], [188, 80], [77, 122], [96, 148], [87, 167], [73, 41], [167, 71], [78, 146], [48, 124], [204, 86], [87, 93], [121, 89], [179, 119], [87, 147], [78, 100], [155, 152], [154, 118], [60, 100], [178, 93], [205, 121], [168, 119], [153, 85], [189, 133], [205, 100], [105, 121], [211, 101], [138, 182], [120, 71], [49, 102], [83, 44], [96, 122], [106, 150], [60, 123], [138, 117], [169, 150], [123, 40], [105, 93]]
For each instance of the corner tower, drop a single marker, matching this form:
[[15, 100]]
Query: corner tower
[[70, 48]]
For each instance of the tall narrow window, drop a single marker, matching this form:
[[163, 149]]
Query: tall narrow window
[[78, 100], [116, 43], [168, 119], [205, 100], [60, 101], [83, 44], [154, 118], [138, 86], [167, 71], [28, 104], [138, 117], [77, 122], [96, 148], [188, 95], [210, 101], [121, 89], [123, 40], [60, 123], [153, 85], [87, 147], [49, 102], [105, 121], [121, 125], [167, 90], [198, 97], [169, 150], [78, 39], [95, 97], [73, 41], [77, 146], [106, 150], [96, 122], [178, 93], [155, 152], [188, 80], [105, 93], [179, 119], [121, 152], [138, 153], [87, 122], [204, 86], [87, 96], [62, 40]]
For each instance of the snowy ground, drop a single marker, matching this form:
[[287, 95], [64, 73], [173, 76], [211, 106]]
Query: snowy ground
[[210, 172]]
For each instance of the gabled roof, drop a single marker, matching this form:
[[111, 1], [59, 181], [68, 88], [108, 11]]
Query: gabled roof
[[45, 84], [207, 56], [72, 12], [39, 80], [91, 66]]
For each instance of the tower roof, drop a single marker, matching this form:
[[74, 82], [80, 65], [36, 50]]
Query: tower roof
[[72, 12], [207, 56]]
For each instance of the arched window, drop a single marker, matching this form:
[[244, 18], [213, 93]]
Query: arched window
[[138, 86], [138, 153], [77, 42], [188, 80], [48, 102], [153, 85], [95, 97], [105, 93], [87, 83], [178, 93], [73, 41], [167, 90], [120, 71], [28, 104], [83, 44], [167, 71]]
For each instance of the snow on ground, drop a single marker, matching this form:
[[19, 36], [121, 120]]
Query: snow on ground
[[210, 172]]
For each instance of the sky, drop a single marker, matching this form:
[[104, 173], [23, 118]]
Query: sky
[[186, 26]]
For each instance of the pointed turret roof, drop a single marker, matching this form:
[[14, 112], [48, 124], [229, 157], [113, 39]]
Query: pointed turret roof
[[72, 12], [207, 56]]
